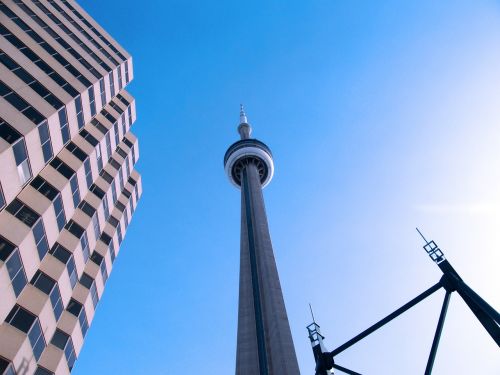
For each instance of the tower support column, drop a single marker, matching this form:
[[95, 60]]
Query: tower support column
[[265, 344]]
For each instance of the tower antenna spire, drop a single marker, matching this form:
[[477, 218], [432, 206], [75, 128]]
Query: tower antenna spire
[[244, 128], [421, 235], [243, 115], [312, 314]]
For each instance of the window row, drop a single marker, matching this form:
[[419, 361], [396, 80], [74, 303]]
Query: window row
[[81, 30], [40, 63], [29, 323], [68, 32], [94, 30]]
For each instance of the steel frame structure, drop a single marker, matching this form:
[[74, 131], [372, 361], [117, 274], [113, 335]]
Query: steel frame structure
[[450, 282]]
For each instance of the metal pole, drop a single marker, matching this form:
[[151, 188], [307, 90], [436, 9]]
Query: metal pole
[[437, 335], [481, 314], [346, 370], [386, 320]]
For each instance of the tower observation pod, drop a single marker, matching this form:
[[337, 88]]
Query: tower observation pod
[[264, 340]]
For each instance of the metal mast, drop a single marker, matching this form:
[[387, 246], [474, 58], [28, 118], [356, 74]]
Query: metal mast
[[264, 343]]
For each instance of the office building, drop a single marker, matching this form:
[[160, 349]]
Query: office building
[[68, 187]]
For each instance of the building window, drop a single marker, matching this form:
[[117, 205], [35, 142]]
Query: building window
[[63, 341], [116, 107], [112, 252], [127, 166], [87, 208], [123, 100], [105, 207], [20, 104], [113, 193], [59, 211], [120, 206], [92, 101], [23, 212], [99, 156], [124, 124], [62, 168], [120, 175], [122, 153], [22, 161], [112, 84], [108, 144], [106, 238], [42, 371], [49, 286], [63, 122], [106, 176], [136, 191], [127, 79], [99, 260], [43, 132], [103, 91], [2, 198], [77, 151], [99, 126], [88, 172], [84, 242], [65, 257], [9, 254], [134, 160], [128, 143], [44, 188], [99, 193], [6, 368], [120, 84], [77, 309], [89, 283], [79, 112], [129, 110], [77, 231], [89, 137], [132, 181], [96, 225], [113, 221], [28, 323], [117, 133], [40, 239], [125, 214], [114, 163], [119, 233], [75, 190], [54, 196], [126, 193]]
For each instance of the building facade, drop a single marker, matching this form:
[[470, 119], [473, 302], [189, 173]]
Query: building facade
[[264, 342], [68, 187]]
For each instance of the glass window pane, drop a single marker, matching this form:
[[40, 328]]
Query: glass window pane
[[59, 339], [21, 319]]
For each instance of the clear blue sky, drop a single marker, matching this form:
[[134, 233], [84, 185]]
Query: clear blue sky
[[382, 116]]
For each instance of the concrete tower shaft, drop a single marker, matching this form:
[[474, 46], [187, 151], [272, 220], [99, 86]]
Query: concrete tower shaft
[[264, 342]]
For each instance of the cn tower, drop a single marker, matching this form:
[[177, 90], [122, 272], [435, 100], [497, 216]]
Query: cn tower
[[264, 343]]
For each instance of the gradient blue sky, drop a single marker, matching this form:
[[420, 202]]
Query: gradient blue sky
[[382, 116]]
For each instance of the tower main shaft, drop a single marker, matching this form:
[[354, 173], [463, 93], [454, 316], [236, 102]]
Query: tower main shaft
[[264, 341]]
